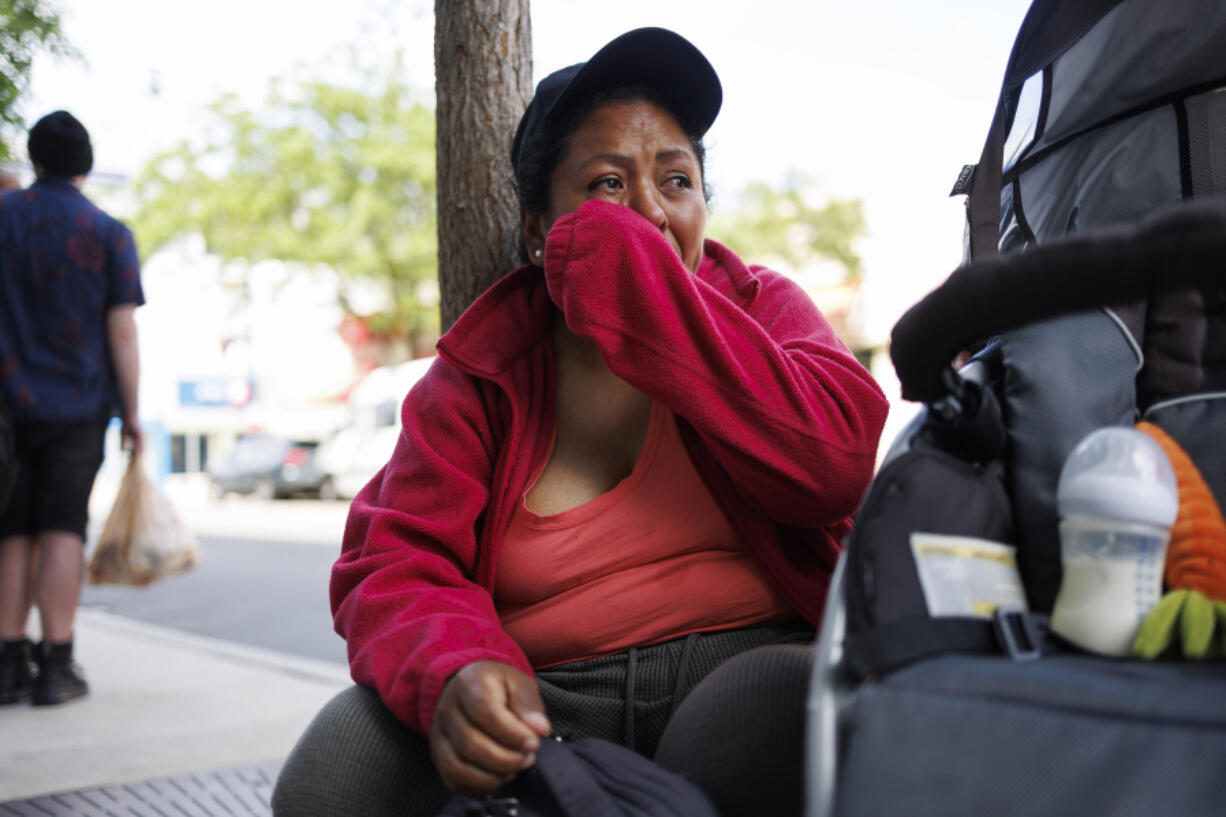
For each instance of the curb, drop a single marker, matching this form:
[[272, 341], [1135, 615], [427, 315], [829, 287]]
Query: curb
[[301, 667]]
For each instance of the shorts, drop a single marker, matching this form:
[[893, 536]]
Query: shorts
[[56, 467]]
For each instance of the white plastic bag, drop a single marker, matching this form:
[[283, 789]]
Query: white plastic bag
[[144, 538]]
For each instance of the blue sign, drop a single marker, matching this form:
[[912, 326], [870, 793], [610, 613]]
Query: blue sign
[[215, 392]]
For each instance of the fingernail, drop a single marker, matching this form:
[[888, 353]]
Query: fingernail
[[538, 721], [529, 761]]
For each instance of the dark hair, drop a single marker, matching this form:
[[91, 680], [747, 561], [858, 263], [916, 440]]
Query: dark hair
[[59, 144], [540, 156]]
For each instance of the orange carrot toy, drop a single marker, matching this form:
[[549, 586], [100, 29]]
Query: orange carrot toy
[[1195, 570], [1196, 555]]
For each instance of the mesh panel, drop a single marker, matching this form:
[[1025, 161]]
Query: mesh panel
[[1207, 142]]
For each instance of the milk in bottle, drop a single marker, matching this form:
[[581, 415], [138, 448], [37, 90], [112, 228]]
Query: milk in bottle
[[1117, 501]]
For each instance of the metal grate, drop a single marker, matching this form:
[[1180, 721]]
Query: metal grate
[[239, 791]]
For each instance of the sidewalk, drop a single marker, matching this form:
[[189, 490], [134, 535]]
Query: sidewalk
[[162, 704], [175, 723]]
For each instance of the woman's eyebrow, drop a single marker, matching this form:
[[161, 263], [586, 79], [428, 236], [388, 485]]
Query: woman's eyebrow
[[610, 157], [662, 156], [666, 155]]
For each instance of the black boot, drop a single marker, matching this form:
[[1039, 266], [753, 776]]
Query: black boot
[[59, 677], [16, 673]]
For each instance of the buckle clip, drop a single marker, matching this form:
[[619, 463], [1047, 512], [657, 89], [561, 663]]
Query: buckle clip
[[1018, 633], [491, 807]]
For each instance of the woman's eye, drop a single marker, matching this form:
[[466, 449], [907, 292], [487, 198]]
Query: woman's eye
[[606, 184], [679, 181]]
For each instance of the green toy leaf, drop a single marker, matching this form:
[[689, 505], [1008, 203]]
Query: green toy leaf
[[1196, 624], [1158, 628]]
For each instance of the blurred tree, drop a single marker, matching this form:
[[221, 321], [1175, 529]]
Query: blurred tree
[[26, 27], [320, 174], [483, 70], [784, 223]]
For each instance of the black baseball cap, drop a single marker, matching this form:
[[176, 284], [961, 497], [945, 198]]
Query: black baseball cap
[[653, 57]]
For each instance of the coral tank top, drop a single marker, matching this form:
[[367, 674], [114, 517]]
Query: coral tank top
[[650, 560]]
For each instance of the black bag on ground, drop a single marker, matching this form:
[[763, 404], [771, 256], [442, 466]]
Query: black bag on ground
[[589, 777]]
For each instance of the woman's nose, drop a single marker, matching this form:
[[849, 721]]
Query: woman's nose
[[646, 203]]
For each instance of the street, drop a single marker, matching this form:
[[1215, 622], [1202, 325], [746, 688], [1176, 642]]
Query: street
[[262, 579]]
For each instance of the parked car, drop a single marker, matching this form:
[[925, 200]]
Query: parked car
[[351, 456], [267, 466]]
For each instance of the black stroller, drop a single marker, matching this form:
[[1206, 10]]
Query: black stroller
[[1095, 296]]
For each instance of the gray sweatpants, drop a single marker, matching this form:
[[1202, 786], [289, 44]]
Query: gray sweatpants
[[725, 709]]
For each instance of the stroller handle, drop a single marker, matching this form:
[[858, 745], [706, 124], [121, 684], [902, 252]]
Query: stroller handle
[[1174, 247]]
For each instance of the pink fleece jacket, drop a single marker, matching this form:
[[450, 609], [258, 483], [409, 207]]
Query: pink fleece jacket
[[779, 418]]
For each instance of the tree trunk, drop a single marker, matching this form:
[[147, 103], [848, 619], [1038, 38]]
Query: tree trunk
[[483, 81]]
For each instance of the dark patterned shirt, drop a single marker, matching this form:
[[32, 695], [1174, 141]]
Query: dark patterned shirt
[[63, 264]]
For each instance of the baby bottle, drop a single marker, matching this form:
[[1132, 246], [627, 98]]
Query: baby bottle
[[1117, 501]]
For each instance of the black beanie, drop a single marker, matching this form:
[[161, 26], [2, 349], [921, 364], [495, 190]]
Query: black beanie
[[59, 144]]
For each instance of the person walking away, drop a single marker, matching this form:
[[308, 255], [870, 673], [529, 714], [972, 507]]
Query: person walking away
[[69, 361]]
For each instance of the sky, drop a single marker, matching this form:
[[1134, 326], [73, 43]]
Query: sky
[[881, 100]]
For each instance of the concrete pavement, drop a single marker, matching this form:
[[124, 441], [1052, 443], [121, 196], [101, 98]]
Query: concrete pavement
[[163, 702]]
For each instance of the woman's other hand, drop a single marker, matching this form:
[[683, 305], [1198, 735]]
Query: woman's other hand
[[487, 727]]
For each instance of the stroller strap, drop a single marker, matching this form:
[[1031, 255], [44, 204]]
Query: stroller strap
[[893, 644]]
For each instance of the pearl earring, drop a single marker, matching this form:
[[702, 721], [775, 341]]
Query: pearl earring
[[537, 253]]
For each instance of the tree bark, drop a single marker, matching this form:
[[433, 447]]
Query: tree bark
[[483, 81]]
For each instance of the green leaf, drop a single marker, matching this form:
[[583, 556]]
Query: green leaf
[[319, 174], [27, 28]]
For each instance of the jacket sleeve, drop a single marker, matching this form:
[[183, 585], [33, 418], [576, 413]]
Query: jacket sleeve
[[777, 397], [401, 592]]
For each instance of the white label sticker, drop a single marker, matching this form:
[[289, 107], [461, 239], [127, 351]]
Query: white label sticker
[[964, 576]]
